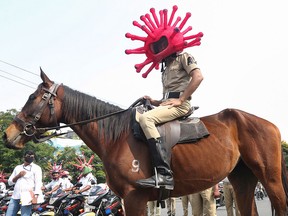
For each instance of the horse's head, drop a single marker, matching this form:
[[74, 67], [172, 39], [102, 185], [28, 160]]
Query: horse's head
[[41, 109]]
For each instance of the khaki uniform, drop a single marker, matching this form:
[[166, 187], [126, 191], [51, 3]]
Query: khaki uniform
[[171, 206], [153, 209], [185, 201], [175, 79], [230, 198], [203, 203]]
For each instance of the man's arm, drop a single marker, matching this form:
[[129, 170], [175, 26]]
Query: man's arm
[[197, 78]]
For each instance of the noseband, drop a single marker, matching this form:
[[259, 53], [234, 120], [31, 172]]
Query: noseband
[[29, 128]]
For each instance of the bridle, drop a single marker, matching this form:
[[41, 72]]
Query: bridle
[[29, 128]]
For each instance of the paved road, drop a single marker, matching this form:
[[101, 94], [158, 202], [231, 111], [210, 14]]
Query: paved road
[[263, 207]]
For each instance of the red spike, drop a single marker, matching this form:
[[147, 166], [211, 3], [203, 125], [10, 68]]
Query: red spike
[[176, 30], [144, 19], [135, 37], [135, 51], [144, 75], [188, 15], [165, 11], [152, 10], [175, 8], [161, 18], [150, 20], [200, 34], [140, 66], [187, 30], [176, 21]]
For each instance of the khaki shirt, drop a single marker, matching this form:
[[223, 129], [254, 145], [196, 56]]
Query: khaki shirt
[[177, 74]]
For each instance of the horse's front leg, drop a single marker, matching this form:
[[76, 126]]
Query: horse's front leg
[[135, 202]]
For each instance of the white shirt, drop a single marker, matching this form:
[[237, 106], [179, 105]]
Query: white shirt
[[31, 181], [86, 180], [53, 184], [2, 188], [66, 183]]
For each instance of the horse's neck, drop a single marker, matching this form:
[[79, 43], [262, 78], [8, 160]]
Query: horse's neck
[[89, 137]]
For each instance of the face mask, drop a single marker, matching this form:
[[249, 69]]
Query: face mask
[[29, 159]]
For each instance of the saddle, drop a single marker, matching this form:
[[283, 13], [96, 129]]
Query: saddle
[[182, 130]]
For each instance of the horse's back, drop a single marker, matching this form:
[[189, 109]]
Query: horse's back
[[234, 135]]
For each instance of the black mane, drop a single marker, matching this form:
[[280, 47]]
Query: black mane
[[78, 107]]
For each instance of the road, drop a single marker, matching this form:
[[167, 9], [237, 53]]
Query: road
[[263, 207]]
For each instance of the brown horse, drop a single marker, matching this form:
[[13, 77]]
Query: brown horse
[[242, 146]]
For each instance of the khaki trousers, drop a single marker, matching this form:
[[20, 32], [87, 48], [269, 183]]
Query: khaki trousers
[[185, 201], [171, 206], [161, 114], [203, 203], [153, 209], [229, 197]]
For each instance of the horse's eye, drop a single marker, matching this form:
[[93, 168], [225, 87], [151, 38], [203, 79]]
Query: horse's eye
[[32, 97]]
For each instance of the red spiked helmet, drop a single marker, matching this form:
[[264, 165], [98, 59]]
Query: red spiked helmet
[[164, 38]]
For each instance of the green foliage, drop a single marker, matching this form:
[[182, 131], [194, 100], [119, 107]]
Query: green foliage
[[46, 155], [285, 151]]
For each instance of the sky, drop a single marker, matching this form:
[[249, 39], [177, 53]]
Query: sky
[[243, 55]]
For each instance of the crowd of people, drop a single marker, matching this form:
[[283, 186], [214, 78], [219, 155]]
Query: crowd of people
[[202, 203], [29, 188]]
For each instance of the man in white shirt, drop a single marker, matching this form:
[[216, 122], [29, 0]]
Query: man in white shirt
[[86, 179], [27, 179], [66, 181], [54, 184]]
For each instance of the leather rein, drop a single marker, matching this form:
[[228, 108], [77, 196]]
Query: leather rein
[[30, 130]]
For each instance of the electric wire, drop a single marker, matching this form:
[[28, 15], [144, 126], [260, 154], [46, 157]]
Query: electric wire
[[17, 81], [17, 77], [18, 67]]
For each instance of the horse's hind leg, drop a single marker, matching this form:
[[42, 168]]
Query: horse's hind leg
[[274, 188], [244, 183]]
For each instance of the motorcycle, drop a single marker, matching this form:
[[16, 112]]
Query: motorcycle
[[55, 204], [39, 208], [62, 203], [4, 200], [74, 204], [103, 202]]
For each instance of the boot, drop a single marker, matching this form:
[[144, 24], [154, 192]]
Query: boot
[[161, 161]]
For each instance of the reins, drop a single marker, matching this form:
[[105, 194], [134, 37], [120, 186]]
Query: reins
[[43, 130]]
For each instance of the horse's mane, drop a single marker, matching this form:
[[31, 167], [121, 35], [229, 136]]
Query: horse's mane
[[78, 106]]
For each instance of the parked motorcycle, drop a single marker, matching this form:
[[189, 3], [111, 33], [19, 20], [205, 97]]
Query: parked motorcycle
[[103, 202], [74, 204], [62, 203], [4, 200], [39, 208], [55, 205]]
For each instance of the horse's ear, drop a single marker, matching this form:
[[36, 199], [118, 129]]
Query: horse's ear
[[44, 77]]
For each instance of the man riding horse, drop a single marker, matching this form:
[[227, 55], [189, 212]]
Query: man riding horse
[[181, 77]]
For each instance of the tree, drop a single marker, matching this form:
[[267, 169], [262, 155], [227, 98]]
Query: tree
[[285, 151]]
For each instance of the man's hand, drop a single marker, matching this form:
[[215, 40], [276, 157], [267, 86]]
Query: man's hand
[[22, 173], [173, 102]]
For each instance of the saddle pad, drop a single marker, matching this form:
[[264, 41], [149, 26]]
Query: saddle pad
[[191, 130]]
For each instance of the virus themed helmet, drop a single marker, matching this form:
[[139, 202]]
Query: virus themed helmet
[[163, 38], [84, 165], [56, 168]]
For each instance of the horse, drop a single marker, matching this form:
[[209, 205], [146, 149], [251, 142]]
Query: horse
[[242, 146]]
